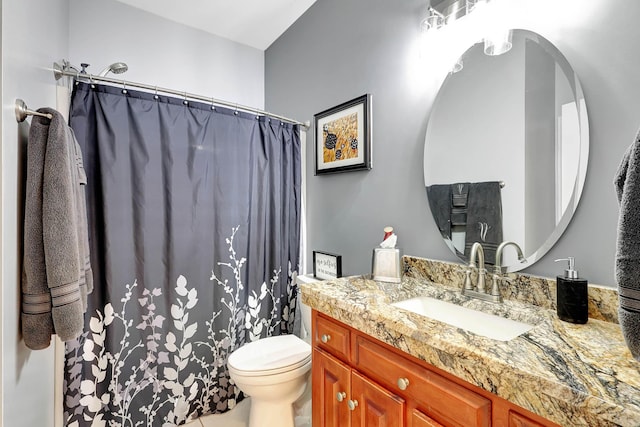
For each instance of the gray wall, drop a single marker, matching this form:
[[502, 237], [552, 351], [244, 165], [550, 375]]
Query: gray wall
[[341, 49], [34, 34], [164, 53]]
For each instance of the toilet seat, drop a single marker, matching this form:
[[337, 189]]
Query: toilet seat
[[270, 356]]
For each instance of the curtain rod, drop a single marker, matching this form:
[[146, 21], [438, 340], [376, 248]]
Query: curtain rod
[[59, 72]]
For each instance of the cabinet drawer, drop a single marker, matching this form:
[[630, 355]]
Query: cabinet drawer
[[332, 337], [418, 419], [519, 420], [446, 402]]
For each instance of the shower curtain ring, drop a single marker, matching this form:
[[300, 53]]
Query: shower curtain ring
[[93, 86], [236, 112], [185, 102], [77, 77], [213, 107], [124, 87], [155, 96]]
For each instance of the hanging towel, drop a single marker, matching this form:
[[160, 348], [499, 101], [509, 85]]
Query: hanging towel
[[627, 267], [56, 275], [439, 196], [484, 219], [459, 200]]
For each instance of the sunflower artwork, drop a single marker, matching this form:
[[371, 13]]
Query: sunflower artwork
[[343, 137], [340, 139]]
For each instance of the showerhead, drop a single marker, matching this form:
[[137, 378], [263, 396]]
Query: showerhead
[[115, 68]]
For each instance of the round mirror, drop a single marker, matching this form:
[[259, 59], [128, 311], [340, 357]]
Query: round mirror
[[506, 150]]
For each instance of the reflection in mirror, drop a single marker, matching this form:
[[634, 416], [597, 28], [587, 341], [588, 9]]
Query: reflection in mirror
[[506, 150]]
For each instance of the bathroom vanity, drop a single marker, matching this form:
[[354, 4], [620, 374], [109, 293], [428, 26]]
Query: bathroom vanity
[[361, 379], [375, 364]]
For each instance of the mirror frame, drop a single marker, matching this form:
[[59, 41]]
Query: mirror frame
[[583, 124]]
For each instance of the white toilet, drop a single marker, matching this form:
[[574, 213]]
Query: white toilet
[[273, 371]]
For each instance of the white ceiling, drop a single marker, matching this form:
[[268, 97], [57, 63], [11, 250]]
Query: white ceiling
[[256, 23]]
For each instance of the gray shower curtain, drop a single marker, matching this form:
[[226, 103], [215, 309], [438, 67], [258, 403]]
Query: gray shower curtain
[[194, 217]]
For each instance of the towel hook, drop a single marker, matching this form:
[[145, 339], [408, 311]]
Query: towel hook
[[22, 111]]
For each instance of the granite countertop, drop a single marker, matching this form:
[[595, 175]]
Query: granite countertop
[[574, 375]]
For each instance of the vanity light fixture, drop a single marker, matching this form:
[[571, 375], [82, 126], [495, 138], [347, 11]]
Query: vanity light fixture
[[497, 39], [457, 66], [433, 21], [498, 42], [442, 12]]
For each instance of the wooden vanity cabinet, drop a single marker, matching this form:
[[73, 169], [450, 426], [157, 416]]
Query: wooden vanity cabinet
[[331, 382], [374, 406], [361, 382], [343, 397]]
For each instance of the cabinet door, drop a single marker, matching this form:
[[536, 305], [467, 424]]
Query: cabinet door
[[442, 399], [418, 419], [331, 390], [374, 406]]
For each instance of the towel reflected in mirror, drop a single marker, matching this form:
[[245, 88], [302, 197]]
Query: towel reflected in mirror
[[467, 213]]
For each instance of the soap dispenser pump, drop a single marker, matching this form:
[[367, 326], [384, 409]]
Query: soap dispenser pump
[[572, 295]]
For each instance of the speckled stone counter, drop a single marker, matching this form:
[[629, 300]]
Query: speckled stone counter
[[575, 375]]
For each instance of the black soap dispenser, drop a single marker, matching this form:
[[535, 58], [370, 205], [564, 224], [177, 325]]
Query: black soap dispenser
[[572, 296]]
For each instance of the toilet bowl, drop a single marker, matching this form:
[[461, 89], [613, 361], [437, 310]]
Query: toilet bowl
[[274, 372]]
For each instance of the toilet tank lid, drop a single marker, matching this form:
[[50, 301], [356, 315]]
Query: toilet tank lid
[[272, 353]]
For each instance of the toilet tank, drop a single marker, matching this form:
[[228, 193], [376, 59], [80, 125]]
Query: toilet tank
[[305, 310]]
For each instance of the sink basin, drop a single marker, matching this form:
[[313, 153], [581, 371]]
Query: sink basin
[[477, 322]]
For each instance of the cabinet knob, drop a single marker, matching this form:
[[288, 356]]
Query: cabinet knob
[[352, 404], [403, 383], [341, 396], [325, 338]]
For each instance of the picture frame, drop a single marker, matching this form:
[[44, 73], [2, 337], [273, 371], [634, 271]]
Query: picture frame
[[326, 265], [343, 137]]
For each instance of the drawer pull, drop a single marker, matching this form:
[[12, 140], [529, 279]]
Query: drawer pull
[[325, 338], [403, 383], [352, 404], [341, 396]]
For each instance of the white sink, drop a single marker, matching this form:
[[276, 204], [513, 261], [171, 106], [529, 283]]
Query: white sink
[[477, 322]]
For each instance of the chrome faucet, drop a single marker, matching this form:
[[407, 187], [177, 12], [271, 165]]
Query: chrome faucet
[[497, 270], [479, 290]]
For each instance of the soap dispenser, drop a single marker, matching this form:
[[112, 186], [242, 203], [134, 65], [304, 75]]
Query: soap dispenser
[[572, 295]]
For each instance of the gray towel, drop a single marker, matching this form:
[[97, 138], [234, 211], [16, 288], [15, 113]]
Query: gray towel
[[439, 196], [56, 270], [459, 199], [627, 268], [484, 219]]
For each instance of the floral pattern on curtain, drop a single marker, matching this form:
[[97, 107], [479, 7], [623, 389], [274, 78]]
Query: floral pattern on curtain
[[194, 218]]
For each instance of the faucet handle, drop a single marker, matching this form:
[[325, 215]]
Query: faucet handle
[[495, 285], [467, 279], [481, 280]]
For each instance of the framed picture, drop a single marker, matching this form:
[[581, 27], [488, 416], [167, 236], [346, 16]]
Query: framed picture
[[343, 137], [326, 265]]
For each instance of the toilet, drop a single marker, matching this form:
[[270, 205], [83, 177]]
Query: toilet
[[273, 371]]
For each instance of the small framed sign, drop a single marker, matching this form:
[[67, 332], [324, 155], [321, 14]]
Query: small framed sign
[[326, 265]]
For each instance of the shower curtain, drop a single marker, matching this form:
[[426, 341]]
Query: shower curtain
[[194, 216]]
